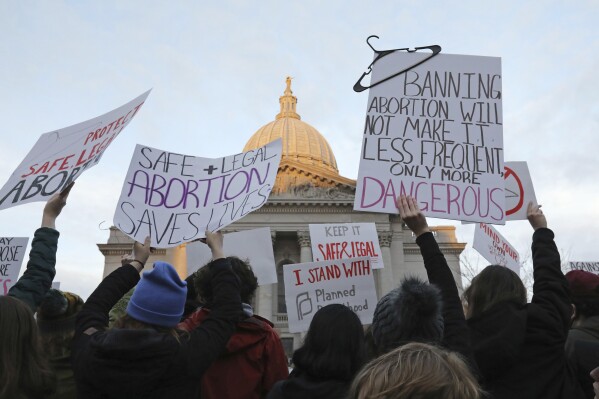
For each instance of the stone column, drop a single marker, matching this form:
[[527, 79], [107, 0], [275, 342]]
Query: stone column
[[303, 238], [386, 280], [264, 295]]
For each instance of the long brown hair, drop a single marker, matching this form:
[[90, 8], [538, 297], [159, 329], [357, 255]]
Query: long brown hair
[[494, 284], [416, 371], [24, 371]]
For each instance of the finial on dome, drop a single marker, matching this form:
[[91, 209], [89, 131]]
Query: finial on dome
[[288, 102]]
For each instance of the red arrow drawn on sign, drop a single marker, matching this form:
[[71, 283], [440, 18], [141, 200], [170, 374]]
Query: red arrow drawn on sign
[[510, 172]]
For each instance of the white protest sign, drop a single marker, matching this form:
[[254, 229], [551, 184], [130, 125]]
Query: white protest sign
[[12, 253], [495, 248], [60, 157], [519, 190], [310, 286], [346, 240], [254, 246], [592, 267], [175, 198], [434, 132]]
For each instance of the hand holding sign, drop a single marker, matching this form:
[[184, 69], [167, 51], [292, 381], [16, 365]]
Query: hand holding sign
[[535, 216], [141, 252], [410, 213], [54, 207], [215, 243]]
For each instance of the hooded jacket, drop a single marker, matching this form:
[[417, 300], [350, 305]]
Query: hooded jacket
[[254, 359], [302, 386], [129, 363], [519, 348]]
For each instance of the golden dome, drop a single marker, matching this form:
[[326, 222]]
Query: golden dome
[[303, 145]]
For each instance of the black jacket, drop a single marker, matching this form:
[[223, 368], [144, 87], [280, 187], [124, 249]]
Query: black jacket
[[127, 363], [519, 348], [301, 386], [37, 279], [456, 336]]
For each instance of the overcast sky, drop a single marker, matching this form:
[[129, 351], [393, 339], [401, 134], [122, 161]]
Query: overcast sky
[[217, 70]]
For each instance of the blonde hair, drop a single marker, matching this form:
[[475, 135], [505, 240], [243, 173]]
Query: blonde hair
[[416, 371]]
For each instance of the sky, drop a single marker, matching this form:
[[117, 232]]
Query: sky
[[217, 70]]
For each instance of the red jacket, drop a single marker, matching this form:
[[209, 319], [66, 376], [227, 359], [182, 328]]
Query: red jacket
[[254, 360]]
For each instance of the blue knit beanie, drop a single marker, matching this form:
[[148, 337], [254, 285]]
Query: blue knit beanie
[[159, 298]]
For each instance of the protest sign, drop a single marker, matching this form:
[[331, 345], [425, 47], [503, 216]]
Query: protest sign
[[310, 286], [495, 248], [12, 253], [175, 198], [592, 267], [346, 240], [61, 156], [254, 246], [434, 132], [519, 190]]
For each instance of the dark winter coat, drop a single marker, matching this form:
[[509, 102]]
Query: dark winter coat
[[127, 363], [519, 348], [582, 349], [37, 279], [253, 361], [302, 386], [456, 335]]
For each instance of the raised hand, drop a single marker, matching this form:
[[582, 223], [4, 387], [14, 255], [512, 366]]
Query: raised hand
[[54, 207], [535, 216], [411, 215], [215, 243], [141, 253]]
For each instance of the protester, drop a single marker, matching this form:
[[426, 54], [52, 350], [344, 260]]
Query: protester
[[595, 377], [332, 353], [421, 312], [416, 371], [56, 322], [582, 345], [24, 370], [143, 355], [254, 358], [519, 347]]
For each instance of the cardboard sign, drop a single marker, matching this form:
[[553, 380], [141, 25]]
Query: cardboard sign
[[310, 286], [592, 267], [61, 156], [519, 190], [495, 248], [434, 132], [12, 253], [175, 198], [346, 240], [254, 246]]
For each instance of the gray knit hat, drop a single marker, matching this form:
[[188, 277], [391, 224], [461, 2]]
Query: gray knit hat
[[410, 313]]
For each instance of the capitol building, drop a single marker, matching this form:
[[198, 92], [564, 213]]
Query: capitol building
[[308, 189]]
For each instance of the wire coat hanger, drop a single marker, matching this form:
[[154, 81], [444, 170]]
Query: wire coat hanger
[[380, 54]]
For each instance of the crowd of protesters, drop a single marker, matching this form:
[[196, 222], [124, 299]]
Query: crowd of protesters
[[163, 337]]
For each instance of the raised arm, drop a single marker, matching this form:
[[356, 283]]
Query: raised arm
[[456, 335], [94, 314], [550, 290], [208, 341], [41, 267]]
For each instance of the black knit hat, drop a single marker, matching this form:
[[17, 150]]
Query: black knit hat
[[57, 311], [410, 313]]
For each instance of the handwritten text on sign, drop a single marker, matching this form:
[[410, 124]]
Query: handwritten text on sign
[[591, 267], [495, 248], [346, 240], [175, 198], [12, 252], [435, 132], [60, 157], [310, 286]]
